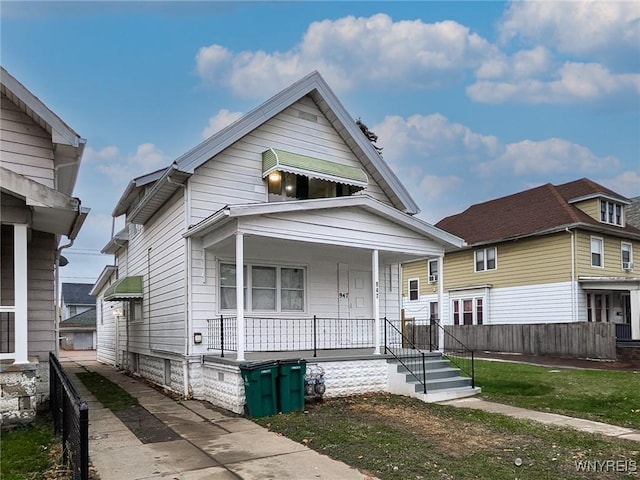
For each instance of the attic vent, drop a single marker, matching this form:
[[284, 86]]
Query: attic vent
[[310, 117]]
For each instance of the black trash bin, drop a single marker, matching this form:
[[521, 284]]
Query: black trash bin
[[260, 388]]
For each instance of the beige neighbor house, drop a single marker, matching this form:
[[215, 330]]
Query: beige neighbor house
[[279, 236], [554, 254], [39, 161]]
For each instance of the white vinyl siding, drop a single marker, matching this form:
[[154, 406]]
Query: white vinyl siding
[[235, 175], [26, 148], [158, 254]]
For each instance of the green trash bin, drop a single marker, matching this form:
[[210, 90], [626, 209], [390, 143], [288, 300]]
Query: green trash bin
[[291, 385], [260, 388]]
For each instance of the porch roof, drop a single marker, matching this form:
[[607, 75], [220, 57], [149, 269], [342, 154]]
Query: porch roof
[[331, 211], [126, 288]]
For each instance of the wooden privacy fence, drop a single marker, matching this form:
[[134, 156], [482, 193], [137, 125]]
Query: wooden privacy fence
[[573, 340]]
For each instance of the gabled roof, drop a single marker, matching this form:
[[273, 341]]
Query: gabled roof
[[312, 85], [69, 146], [77, 294], [103, 279], [544, 209], [84, 319]]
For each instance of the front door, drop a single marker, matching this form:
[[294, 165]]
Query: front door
[[360, 294]]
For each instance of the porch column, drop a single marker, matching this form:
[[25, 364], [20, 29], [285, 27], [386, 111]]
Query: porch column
[[375, 274], [240, 295], [440, 300], [635, 314], [20, 293]]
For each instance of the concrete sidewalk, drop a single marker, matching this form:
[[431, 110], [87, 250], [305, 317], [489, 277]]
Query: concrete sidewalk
[[200, 443], [548, 418]]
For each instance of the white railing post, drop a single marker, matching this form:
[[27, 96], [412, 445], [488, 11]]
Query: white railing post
[[240, 295], [375, 274], [20, 294], [440, 300]]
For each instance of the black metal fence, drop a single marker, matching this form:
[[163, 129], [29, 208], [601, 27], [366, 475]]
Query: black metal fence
[[397, 344], [291, 334], [71, 419]]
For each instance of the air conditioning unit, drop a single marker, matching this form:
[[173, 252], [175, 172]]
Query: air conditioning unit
[[627, 266], [433, 278]]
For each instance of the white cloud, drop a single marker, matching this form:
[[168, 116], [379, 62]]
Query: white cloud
[[606, 30], [106, 153], [627, 183], [216, 123], [545, 158], [523, 64], [146, 159], [351, 51], [574, 83]]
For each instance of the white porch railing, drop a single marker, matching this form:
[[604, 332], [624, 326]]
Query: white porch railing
[[264, 334]]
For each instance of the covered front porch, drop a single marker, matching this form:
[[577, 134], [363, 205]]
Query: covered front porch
[[304, 275]]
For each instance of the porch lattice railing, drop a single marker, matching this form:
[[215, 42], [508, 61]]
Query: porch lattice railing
[[264, 334]]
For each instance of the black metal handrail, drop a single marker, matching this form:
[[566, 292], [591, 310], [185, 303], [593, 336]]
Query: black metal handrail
[[405, 352], [71, 418], [274, 334], [461, 356]]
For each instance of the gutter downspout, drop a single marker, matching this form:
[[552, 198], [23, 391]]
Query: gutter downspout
[[574, 317], [58, 297]]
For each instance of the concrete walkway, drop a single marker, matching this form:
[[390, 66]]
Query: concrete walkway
[[206, 443], [548, 418]]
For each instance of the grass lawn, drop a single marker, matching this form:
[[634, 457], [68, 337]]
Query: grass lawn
[[108, 393], [395, 437], [25, 451], [601, 395]]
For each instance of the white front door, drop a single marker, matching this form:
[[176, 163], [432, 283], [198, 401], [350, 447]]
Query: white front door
[[360, 294]]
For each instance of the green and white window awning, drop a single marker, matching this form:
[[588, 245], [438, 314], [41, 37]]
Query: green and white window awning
[[126, 288], [278, 160]]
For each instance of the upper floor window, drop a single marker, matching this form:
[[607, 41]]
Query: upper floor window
[[414, 289], [611, 212], [433, 271], [485, 259], [597, 252], [626, 254], [285, 186]]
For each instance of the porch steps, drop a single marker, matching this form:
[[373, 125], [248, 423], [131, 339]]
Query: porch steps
[[444, 382]]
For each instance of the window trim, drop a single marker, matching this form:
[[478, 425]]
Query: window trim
[[484, 260], [601, 253], [630, 261], [457, 313], [609, 211], [248, 288], [430, 273], [417, 289]]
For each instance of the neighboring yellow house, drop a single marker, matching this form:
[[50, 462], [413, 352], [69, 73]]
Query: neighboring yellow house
[[554, 253]]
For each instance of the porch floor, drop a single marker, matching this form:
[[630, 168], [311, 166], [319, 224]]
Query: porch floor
[[321, 355]]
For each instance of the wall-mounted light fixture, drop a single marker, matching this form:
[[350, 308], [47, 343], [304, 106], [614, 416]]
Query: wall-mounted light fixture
[[197, 338]]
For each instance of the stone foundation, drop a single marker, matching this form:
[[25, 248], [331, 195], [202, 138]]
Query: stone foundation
[[23, 388]]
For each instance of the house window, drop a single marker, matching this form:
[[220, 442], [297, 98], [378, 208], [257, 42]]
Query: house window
[[485, 259], [611, 212], [283, 186], [414, 289], [597, 252], [598, 307], [433, 271], [468, 311], [267, 288], [134, 308], [433, 311], [626, 254]]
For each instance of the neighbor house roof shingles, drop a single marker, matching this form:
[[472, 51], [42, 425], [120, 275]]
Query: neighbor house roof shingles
[[533, 211]]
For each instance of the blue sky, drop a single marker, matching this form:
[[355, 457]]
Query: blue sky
[[470, 100]]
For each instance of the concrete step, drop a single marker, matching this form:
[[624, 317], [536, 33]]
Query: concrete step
[[417, 365], [440, 383]]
